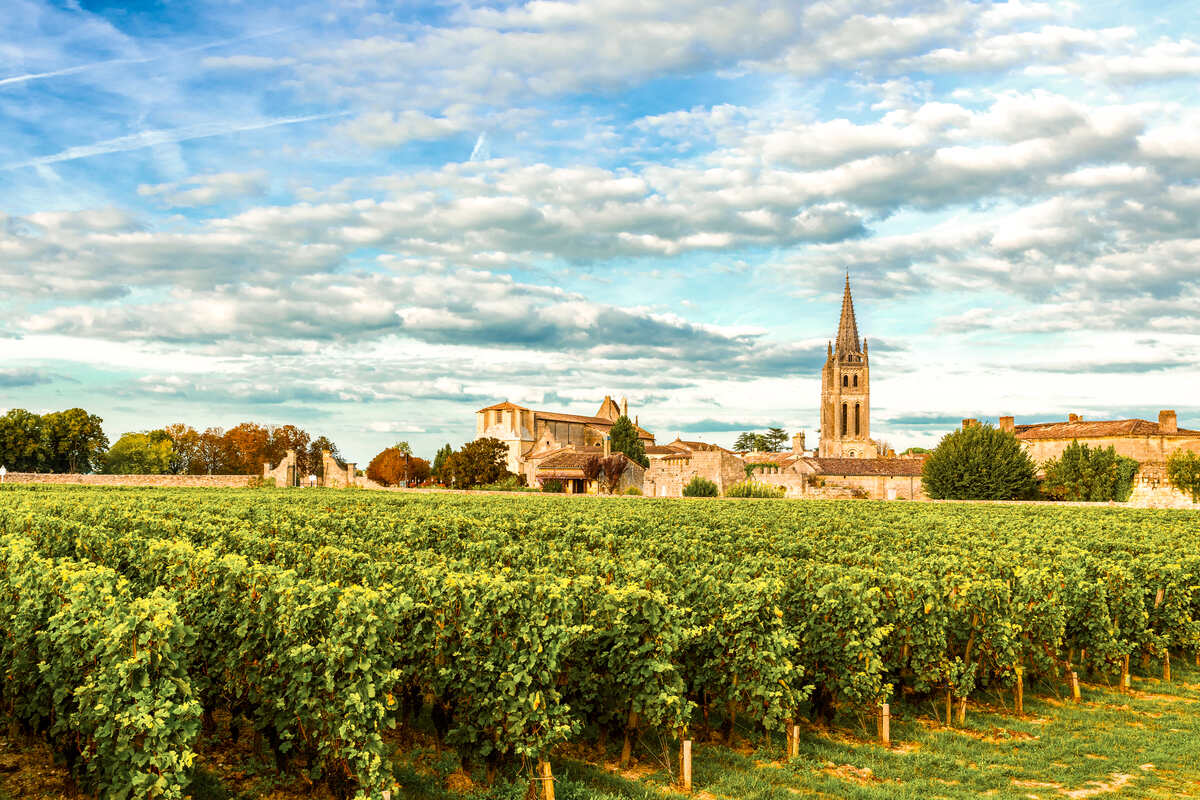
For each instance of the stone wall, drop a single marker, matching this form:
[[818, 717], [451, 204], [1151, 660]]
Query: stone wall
[[336, 476], [160, 481], [286, 473], [666, 477], [1141, 448]]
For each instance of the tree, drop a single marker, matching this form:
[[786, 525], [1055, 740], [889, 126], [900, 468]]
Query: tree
[[700, 487], [745, 441], [140, 454], [284, 438], [479, 462], [439, 461], [1183, 471], [592, 467], [614, 467], [185, 449], [1085, 473], [776, 439], [979, 462], [248, 447], [212, 452], [22, 445], [393, 466], [74, 440], [913, 451], [311, 463], [403, 447], [623, 438]]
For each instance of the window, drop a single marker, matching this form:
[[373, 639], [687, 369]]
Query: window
[[857, 429], [845, 380], [844, 407], [856, 380]]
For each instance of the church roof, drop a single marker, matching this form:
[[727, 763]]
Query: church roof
[[1086, 429], [599, 422], [847, 336], [892, 467], [505, 406]]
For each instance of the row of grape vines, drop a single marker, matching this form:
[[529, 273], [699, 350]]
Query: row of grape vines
[[324, 619]]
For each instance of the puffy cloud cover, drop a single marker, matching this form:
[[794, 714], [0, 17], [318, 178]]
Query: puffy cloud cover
[[393, 217]]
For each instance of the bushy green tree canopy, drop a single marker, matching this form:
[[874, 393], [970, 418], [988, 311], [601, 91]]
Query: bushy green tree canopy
[[1086, 473], [479, 462], [980, 462], [439, 460], [623, 438], [140, 454], [1183, 471]]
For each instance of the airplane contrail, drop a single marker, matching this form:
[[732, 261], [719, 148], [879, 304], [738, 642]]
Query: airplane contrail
[[143, 139]]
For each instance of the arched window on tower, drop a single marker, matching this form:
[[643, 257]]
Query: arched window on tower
[[857, 420], [844, 411], [856, 380], [845, 380]]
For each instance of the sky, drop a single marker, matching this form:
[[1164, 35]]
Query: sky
[[373, 219]]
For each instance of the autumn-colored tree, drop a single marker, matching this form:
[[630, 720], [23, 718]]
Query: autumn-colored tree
[[212, 452], [393, 467], [591, 468], [284, 438], [614, 467], [248, 445], [185, 445]]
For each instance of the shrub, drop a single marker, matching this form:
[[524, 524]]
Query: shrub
[[979, 462], [509, 483], [1183, 471], [754, 489], [633, 490], [552, 486], [700, 487], [1089, 473]]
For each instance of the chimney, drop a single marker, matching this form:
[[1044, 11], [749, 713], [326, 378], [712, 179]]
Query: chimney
[[607, 446], [1008, 424], [1168, 422], [969, 423], [1074, 418], [798, 443], [624, 407]]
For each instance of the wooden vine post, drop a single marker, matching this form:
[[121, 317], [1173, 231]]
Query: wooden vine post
[[795, 751], [1019, 691], [1075, 695], [685, 764], [788, 735], [1167, 667], [627, 747], [1126, 682], [546, 778], [885, 724]]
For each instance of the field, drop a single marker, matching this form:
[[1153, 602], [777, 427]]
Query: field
[[325, 643]]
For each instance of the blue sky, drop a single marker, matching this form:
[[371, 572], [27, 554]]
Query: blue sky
[[373, 219]]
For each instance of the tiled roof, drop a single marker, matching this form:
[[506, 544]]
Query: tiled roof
[[505, 406], [663, 450], [599, 422], [1087, 429], [574, 459], [903, 467], [701, 446]]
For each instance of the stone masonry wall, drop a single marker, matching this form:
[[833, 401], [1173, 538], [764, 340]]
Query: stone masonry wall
[[160, 481]]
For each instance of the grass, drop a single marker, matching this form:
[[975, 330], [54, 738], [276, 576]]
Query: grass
[[1143, 745]]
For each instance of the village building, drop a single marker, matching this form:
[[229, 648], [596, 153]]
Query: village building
[[568, 467], [532, 436], [673, 467], [1149, 443]]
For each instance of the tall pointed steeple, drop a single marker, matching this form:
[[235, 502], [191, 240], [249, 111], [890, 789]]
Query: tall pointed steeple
[[847, 338]]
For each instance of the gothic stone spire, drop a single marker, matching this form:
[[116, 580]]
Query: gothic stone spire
[[847, 338]]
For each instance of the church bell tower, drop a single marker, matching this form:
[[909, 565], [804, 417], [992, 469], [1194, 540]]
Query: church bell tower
[[846, 391]]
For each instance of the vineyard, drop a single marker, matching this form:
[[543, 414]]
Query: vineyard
[[330, 624]]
